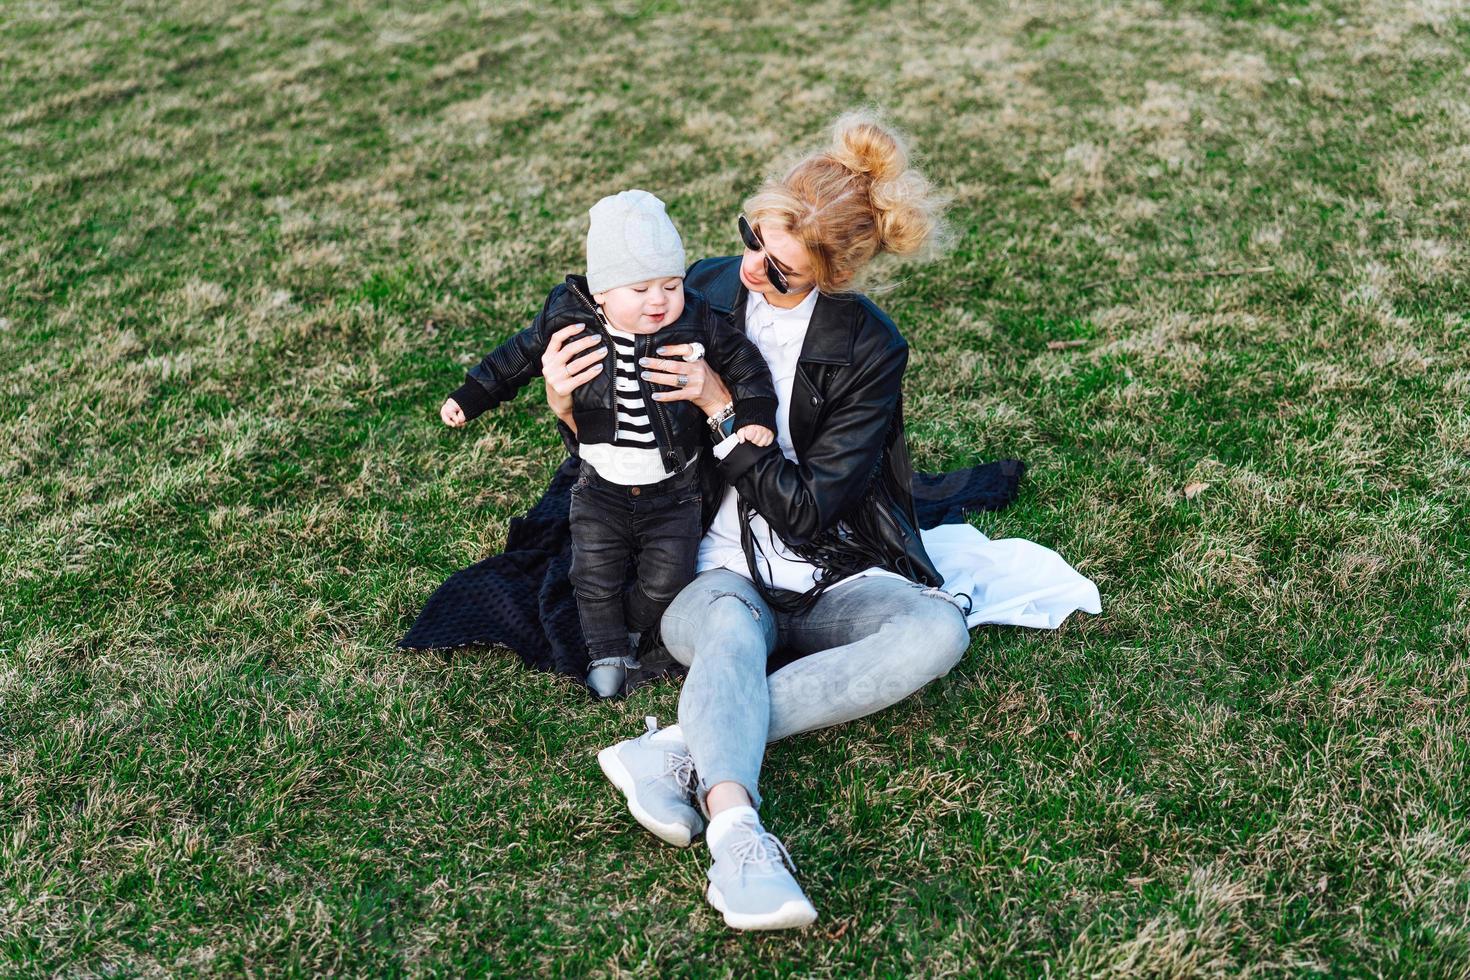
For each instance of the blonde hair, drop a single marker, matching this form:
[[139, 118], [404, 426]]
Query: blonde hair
[[853, 201]]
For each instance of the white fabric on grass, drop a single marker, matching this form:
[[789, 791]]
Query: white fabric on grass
[[1010, 581]]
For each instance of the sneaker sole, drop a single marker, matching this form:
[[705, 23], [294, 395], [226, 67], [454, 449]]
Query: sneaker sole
[[618, 774], [791, 915]]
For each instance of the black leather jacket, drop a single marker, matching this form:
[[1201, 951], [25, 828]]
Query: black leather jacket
[[679, 427], [852, 489]]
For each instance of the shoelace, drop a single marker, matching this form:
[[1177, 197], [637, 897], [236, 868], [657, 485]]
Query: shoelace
[[760, 849], [680, 765]]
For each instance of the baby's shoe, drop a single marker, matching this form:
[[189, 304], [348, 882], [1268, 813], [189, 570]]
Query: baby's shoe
[[607, 675]]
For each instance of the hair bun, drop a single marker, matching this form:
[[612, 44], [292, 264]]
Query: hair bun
[[862, 144], [852, 200], [904, 213]]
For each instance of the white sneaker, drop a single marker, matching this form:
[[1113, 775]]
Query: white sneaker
[[749, 881], [656, 774]]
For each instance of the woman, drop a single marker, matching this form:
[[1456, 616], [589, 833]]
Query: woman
[[825, 514]]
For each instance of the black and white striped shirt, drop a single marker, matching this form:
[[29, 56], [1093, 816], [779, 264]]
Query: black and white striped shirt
[[632, 458], [635, 428]]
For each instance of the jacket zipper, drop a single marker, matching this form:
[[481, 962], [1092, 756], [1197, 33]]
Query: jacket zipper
[[654, 411]]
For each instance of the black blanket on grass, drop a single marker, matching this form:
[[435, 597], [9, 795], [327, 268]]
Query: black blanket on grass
[[522, 597]]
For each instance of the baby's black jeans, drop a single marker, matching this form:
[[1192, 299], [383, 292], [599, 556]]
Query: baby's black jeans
[[653, 525]]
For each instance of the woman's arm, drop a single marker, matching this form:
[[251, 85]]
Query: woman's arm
[[740, 364], [801, 500]]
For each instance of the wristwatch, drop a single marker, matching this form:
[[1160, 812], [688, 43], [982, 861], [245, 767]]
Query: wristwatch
[[722, 423]]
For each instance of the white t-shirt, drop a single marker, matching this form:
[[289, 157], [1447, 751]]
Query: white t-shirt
[[778, 334]]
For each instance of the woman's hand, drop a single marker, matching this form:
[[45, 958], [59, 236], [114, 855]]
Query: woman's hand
[[451, 414], [565, 371], [705, 389]]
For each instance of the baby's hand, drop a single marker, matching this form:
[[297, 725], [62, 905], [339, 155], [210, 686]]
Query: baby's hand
[[758, 434], [451, 413]]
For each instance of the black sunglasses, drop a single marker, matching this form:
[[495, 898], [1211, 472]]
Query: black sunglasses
[[773, 271]]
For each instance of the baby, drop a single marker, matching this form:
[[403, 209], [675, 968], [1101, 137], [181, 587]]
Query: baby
[[637, 494]]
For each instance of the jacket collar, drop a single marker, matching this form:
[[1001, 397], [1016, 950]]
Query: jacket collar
[[577, 286], [829, 337]]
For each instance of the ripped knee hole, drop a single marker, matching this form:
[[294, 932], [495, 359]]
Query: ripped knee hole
[[736, 595]]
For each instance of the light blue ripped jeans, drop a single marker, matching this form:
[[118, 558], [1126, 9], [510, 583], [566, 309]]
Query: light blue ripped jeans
[[868, 644]]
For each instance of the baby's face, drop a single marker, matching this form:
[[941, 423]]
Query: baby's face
[[643, 307]]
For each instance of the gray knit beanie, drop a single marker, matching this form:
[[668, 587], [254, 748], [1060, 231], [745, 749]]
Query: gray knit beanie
[[631, 239]]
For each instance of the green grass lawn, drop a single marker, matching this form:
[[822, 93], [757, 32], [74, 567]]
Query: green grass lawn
[[246, 252]]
